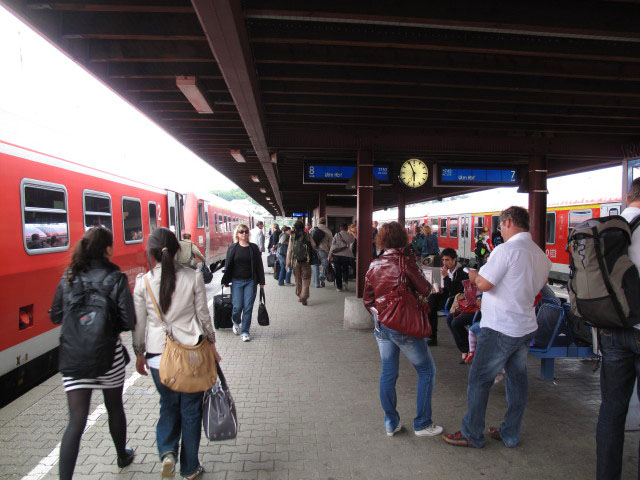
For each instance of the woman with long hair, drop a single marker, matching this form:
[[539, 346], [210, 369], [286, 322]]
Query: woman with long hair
[[244, 271], [180, 293], [382, 278], [91, 273]]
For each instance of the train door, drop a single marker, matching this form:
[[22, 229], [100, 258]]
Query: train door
[[466, 234], [607, 209], [175, 204], [206, 231]]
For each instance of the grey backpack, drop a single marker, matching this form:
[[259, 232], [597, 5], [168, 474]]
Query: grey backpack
[[604, 285]]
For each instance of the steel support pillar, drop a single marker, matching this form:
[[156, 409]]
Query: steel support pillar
[[538, 199], [402, 205], [365, 214], [322, 205]]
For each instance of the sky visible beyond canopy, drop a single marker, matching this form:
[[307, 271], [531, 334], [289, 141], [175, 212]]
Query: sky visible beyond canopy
[[50, 104]]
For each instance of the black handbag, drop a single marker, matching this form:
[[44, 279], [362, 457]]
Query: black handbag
[[206, 273], [313, 260], [330, 273], [263, 316], [271, 259], [219, 417]]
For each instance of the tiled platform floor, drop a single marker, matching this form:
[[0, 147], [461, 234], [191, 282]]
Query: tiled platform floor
[[307, 397]]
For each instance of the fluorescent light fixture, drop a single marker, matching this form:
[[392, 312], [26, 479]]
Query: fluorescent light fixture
[[237, 156], [190, 87], [254, 178], [268, 198], [263, 190], [274, 158]]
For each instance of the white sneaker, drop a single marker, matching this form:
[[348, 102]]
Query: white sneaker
[[168, 466], [245, 337], [236, 329], [431, 431], [396, 430]]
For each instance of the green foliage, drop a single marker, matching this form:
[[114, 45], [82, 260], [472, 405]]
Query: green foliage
[[233, 194]]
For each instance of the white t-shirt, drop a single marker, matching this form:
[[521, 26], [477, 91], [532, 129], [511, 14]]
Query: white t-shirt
[[518, 269], [629, 214]]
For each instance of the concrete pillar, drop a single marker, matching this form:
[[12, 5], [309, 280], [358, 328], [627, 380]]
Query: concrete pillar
[[538, 199], [322, 205], [364, 213], [402, 204]]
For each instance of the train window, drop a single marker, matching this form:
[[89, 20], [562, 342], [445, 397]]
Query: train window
[[551, 228], [97, 209], [45, 220], [172, 216], [495, 223], [443, 227], [453, 227], [215, 222], [434, 225], [132, 220], [479, 225], [200, 223], [576, 217], [153, 216], [614, 211], [206, 219]]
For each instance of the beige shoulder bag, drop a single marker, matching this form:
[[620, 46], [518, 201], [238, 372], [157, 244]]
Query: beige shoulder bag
[[184, 368]]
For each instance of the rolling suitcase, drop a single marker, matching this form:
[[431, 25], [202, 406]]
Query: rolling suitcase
[[222, 309]]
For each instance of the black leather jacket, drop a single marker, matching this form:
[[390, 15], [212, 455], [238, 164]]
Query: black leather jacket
[[256, 264], [120, 294]]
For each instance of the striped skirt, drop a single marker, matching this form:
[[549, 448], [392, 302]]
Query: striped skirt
[[114, 378]]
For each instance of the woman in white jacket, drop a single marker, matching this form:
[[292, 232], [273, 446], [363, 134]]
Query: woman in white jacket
[[181, 295]]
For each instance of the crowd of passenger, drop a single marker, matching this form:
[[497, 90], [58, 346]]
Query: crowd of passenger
[[490, 312]]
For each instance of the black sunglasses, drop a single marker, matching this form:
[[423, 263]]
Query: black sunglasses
[[243, 231]]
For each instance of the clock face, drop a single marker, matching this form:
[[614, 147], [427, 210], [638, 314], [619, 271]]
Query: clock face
[[414, 173]]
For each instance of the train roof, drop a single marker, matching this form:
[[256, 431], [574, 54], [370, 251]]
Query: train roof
[[599, 186]]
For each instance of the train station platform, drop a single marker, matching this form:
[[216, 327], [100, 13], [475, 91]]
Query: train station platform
[[307, 399]]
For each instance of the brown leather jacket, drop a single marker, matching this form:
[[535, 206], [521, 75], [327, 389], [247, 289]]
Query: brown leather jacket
[[384, 274]]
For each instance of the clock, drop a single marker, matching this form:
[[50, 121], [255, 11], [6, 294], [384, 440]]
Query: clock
[[414, 173]]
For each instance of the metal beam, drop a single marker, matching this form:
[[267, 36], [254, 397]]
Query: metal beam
[[225, 28]]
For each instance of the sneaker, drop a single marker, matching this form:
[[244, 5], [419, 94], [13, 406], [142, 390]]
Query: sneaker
[[196, 474], [236, 329], [338, 289], [431, 431], [395, 430], [168, 466], [245, 337]]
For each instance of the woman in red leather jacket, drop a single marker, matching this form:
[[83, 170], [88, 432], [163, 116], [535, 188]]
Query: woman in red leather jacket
[[383, 277]]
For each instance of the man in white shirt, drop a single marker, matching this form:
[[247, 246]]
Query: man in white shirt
[[620, 356], [257, 236], [515, 273]]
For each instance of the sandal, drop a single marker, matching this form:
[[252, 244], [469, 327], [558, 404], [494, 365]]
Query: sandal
[[495, 433], [195, 474], [457, 439]]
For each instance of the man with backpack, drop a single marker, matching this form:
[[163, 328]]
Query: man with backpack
[[620, 348], [299, 255], [321, 237], [188, 252]]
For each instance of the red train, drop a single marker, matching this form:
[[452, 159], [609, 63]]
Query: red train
[[47, 204], [458, 222]]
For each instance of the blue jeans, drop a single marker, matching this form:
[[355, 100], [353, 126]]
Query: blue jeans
[[390, 343], [243, 294], [618, 373], [284, 272], [495, 351], [180, 416]]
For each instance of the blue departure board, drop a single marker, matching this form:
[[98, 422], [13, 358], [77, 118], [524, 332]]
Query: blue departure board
[[321, 172], [476, 176]]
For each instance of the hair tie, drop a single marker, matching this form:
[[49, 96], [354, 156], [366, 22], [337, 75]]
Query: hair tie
[[165, 249]]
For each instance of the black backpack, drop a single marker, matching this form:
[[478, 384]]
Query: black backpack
[[317, 235], [301, 248], [604, 286], [88, 336]]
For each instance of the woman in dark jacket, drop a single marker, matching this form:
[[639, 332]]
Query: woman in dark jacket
[[91, 270], [244, 270], [383, 277]]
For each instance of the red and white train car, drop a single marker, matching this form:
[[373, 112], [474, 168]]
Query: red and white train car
[[47, 204], [459, 222]]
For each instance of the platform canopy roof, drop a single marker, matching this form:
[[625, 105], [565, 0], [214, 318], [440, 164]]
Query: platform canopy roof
[[465, 81]]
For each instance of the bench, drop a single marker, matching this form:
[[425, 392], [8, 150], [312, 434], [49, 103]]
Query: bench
[[561, 343]]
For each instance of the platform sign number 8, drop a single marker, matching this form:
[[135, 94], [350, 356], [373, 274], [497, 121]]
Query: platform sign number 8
[[311, 171]]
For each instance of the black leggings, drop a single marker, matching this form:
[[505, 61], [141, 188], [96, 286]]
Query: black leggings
[[79, 403]]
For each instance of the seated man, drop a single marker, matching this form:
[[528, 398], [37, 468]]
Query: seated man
[[452, 277]]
